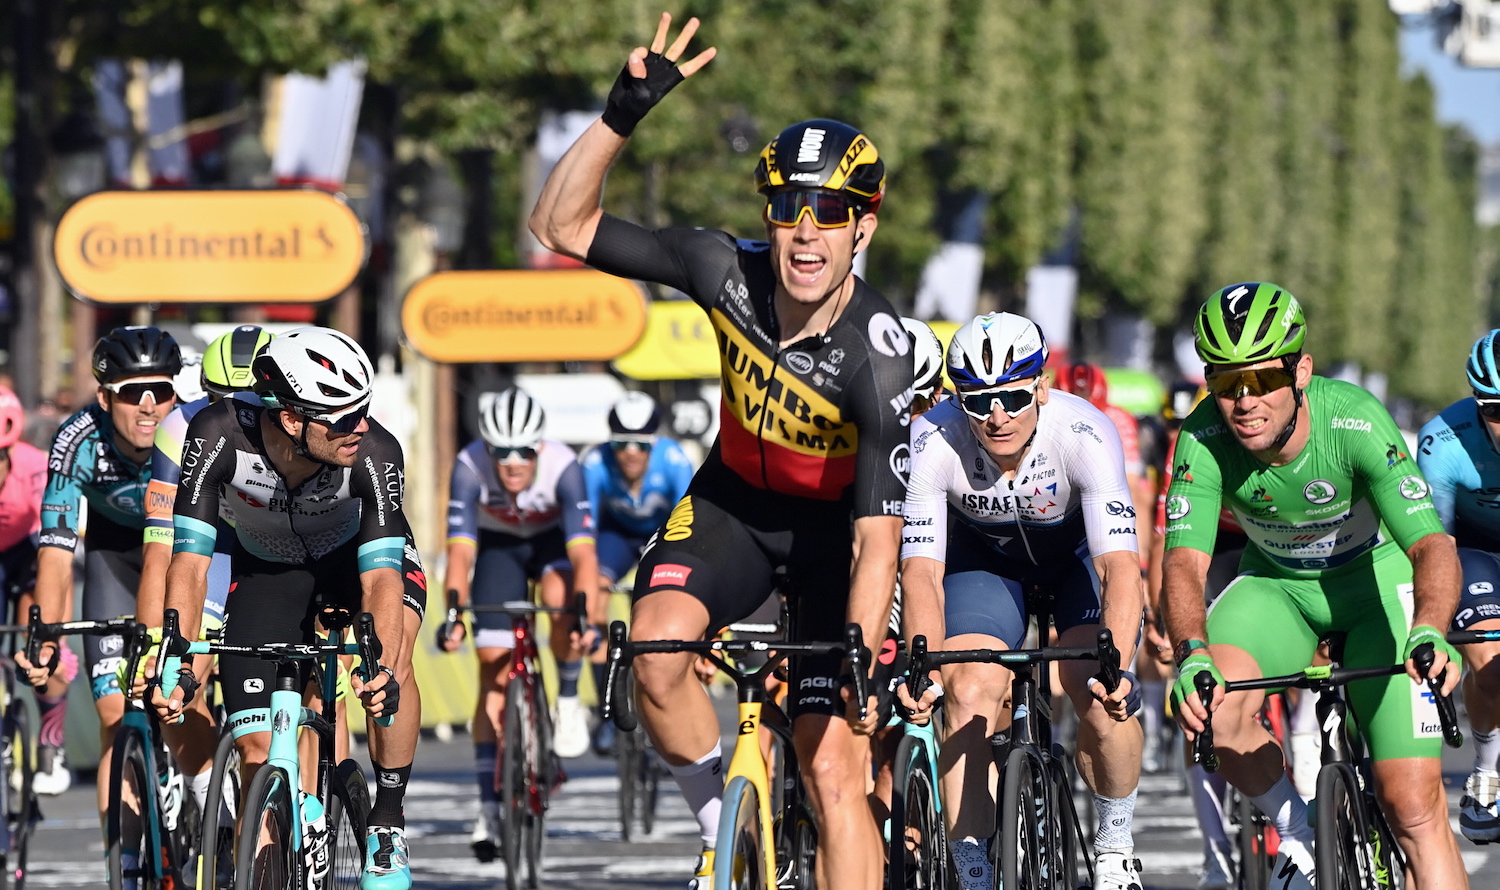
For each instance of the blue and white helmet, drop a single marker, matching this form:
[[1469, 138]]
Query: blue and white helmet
[[996, 349], [1483, 369]]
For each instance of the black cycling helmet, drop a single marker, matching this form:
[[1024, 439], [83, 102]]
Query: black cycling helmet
[[136, 351], [824, 154], [636, 414]]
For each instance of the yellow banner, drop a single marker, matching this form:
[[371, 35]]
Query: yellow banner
[[209, 247], [678, 345], [522, 315]]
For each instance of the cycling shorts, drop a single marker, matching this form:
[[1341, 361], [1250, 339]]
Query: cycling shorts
[[618, 551], [722, 545], [277, 602], [1481, 596], [985, 593], [503, 567], [18, 570], [1279, 622]]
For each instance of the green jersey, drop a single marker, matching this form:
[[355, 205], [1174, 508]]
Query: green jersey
[[1353, 495]]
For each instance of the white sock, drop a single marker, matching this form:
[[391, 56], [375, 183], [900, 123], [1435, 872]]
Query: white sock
[[1287, 811], [1207, 790], [1115, 815], [1487, 751], [1305, 714], [702, 786], [1154, 694], [199, 786]]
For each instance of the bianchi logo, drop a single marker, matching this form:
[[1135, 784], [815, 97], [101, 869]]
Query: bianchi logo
[[1320, 491], [1414, 488], [1178, 507]]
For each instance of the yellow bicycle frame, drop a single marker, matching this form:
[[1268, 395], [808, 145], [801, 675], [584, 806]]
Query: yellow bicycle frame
[[748, 761]]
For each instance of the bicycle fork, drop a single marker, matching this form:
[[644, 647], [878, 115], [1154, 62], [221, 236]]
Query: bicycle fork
[[747, 762]]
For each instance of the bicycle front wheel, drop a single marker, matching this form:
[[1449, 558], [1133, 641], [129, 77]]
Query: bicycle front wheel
[[266, 858], [629, 765], [348, 817], [1255, 859], [21, 810], [918, 854], [1024, 824], [740, 857], [1343, 858], [215, 865], [131, 792]]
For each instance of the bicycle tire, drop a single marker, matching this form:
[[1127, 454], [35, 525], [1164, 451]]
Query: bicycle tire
[[651, 770], [1255, 860], [628, 767], [1339, 843], [266, 860], [545, 771], [918, 846], [1067, 830], [1023, 813], [223, 793], [21, 769], [740, 860], [514, 783], [125, 831], [348, 818]]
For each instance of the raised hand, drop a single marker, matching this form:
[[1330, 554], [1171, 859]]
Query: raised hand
[[649, 75]]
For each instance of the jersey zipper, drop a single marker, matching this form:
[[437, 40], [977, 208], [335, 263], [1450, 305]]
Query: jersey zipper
[[765, 402]]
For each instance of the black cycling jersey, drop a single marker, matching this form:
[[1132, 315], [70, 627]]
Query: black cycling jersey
[[823, 418], [225, 461]]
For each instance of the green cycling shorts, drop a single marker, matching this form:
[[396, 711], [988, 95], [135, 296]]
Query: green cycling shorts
[[1278, 621]]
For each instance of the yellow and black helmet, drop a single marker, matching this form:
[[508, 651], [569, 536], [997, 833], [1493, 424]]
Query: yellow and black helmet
[[824, 154]]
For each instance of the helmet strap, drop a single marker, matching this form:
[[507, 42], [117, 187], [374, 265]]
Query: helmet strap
[[299, 443]]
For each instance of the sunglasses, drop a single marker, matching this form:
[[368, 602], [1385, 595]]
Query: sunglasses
[[620, 445], [1250, 382], [513, 455], [1014, 401], [346, 424], [1489, 409], [135, 393], [830, 210]]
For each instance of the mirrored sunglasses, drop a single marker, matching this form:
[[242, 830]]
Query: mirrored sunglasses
[[1489, 409], [346, 424], [1249, 382], [620, 445], [513, 455], [830, 210], [135, 393], [1014, 401]]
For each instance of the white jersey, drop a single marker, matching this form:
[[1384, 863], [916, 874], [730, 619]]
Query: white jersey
[[1070, 490], [556, 497]]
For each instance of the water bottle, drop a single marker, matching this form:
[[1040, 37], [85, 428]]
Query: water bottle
[[315, 856]]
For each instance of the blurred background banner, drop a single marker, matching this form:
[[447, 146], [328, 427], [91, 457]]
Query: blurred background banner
[[314, 122]]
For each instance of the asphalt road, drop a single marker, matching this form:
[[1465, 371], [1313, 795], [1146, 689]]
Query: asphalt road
[[584, 849]]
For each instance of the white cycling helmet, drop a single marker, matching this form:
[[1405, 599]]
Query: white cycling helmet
[[510, 419], [996, 349], [635, 416], [927, 358], [316, 372]]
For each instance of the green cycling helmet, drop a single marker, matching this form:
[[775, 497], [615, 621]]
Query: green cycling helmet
[[1249, 322], [226, 362]]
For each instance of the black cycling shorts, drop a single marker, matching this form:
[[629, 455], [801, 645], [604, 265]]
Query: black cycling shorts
[[504, 564], [111, 577], [722, 545], [1481, 595], [277, 602]]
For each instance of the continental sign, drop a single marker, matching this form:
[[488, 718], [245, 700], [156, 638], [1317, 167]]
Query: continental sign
[[809, 449], [265, 246], [520, 316], [678, 344]]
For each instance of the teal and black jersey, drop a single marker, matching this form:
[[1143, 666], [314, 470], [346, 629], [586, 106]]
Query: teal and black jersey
[[85, 464]]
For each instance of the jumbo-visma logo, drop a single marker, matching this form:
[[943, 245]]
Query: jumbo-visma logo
[[201, 246]]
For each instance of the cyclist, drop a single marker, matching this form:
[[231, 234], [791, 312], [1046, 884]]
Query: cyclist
[[816, 373], [1343, 540], [517, 512], [1013, 485], [23, 478], [1457, 452], [633, 481], [224, 370], [101, 454], [314, 489], [927, 366]]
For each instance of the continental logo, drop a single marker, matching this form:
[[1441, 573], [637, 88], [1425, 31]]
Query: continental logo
[[105, 246], [680, 523], [778, 408]]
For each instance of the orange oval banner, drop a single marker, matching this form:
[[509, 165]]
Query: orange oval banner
[[523, 316], [271, 246]]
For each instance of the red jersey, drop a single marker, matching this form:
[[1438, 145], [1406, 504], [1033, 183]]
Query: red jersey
[[21, 495]]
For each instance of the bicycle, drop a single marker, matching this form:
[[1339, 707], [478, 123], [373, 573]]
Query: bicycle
[[760, 846], [149, 827], [917, 841], [289, 838], [1352, 841], [1041, 837], [19, 802], [527, 770], [640, 772]]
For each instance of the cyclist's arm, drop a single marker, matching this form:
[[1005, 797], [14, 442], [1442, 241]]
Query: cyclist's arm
[[1437, 580], [578, 527], [378, 480], [924, 535], [922, 600], [463, 528], [161, 498], [1096, 466], [568, 210], [1192, 524], [1437, 464], [208, 463], [59, 535], [187, 588]]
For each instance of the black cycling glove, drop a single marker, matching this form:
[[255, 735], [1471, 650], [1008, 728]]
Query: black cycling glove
[[631, 97], [392, 691], [187, 681]]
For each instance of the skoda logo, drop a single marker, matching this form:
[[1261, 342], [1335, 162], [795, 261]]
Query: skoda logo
[[1319, 491], [1414, 488], [1178, 507]]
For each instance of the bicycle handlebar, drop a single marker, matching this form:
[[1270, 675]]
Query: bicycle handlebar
[[1466, 637], [1203, 746], [370, 651], [39, 633]]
